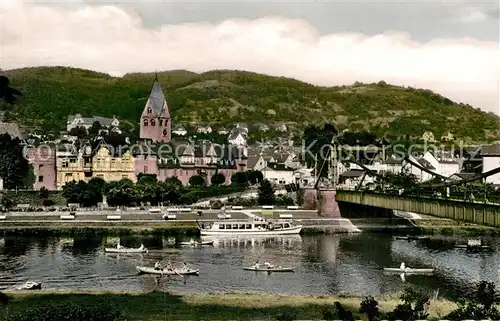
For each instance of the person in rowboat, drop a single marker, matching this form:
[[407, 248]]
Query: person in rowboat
[[184, 266], [169, 267], [402, 266], [257, 265], [192, 241], [157, 266], [118, 246], [268, 265]]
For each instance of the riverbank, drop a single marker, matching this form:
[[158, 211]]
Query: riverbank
[[153, 306], [448, 227]]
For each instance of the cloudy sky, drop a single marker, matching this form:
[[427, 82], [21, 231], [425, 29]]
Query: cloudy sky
[[449, 47]]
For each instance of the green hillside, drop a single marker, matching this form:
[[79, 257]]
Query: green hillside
[[224, 97]]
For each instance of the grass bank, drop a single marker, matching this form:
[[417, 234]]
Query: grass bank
[[450, 227], [155, 306]]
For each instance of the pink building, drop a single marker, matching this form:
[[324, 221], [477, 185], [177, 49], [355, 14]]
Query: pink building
[[156, 123], [43, 160]]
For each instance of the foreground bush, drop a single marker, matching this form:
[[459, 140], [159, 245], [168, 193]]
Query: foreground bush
[[67, 311]]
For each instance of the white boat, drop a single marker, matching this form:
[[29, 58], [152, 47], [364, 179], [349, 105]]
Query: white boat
[[269, 269], [30, 286], [256, 227], [197, 243], [164, 271], [408, 270], [412, 237], [141, 249]]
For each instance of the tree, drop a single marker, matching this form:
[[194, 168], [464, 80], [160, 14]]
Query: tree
[[239, 178], [197, 180], [14, 167], [218, 179], [79, 132], [266, 193], [143, 178], [95, 129], [254, 177], [7, 93], [7, 201]]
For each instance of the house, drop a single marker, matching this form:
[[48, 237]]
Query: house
[[179, 130], [304, 177], [241, 127], [278, 174], [111, 164], [69, 166], [256, 163], [447, 137], [428, 137], [491, 160], [237, 137], [445, 165], [77, 120], [156, 123], [43, 160], [204, 129], [422, 175], [394, 164], [351, 178]]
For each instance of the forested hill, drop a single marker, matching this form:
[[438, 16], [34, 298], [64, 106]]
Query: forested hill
[[224, 97]]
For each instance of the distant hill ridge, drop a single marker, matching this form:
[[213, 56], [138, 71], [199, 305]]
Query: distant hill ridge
[[228, 96]]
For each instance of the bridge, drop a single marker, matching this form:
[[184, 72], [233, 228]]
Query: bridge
[[466, 211]]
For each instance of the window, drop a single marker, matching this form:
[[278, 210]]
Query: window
[[221, 227], [65, 164], [228, 227], [145, 123], [149, 110], [248, 226], [242, 226], [124, 176], [145, 169], [40, 168], [164, 132], [235, 226], [40, 179], [161, 122], [152, 122]]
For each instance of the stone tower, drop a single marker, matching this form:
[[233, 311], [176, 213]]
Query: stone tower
[[156, 123]]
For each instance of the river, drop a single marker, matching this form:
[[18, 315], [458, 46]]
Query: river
[[324, 264]]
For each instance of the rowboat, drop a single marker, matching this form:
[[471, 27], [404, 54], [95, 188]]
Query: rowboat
[[150, 270], [408, 270], [473, 247], [197, 243], [270, 269], [30, 286], [410, 237], [141, 249]]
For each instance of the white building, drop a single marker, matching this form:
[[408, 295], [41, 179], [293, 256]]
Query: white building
[[491, 161], [180, 131], [87, 122], [278, 174], [204, 129], [444, 165], [237, 138], [1, 184]]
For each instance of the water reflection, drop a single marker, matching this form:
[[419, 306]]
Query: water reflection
[[327, 264]]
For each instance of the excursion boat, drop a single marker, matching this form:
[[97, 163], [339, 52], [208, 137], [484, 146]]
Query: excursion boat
[[164, 271], [256, 227]]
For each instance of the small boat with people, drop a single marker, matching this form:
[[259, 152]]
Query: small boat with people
[[474, 245], [30, 285], [255, 227], [194, 243], [407, 270], [168, 270], [121, 249], [267, 267], [412, 237]]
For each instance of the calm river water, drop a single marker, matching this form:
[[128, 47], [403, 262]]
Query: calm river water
[[325, 264]]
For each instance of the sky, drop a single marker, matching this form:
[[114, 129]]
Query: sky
[[451, 47]]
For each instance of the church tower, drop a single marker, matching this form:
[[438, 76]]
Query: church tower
[[156, 123]]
